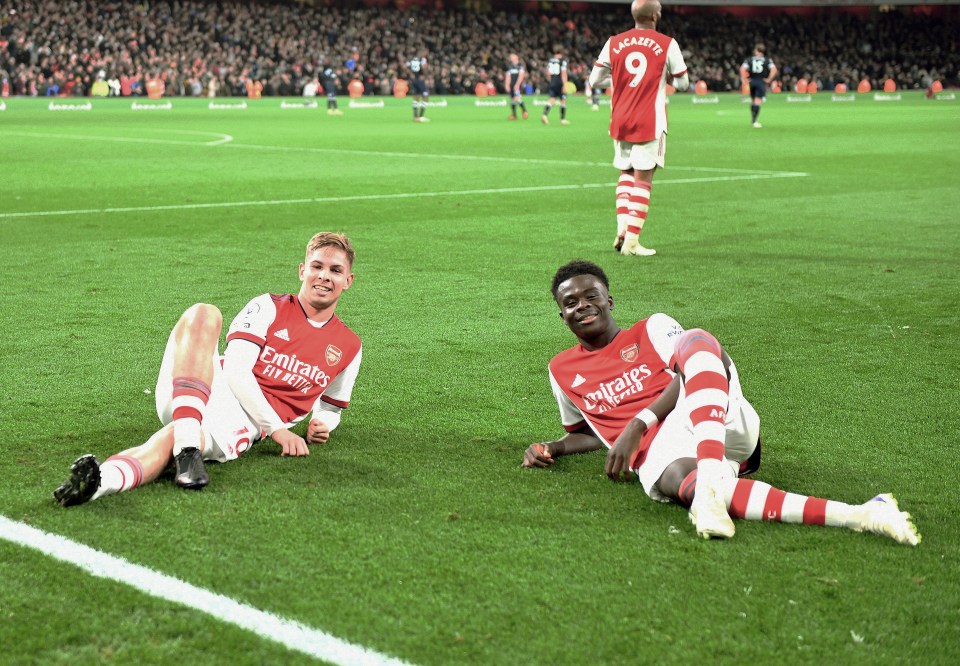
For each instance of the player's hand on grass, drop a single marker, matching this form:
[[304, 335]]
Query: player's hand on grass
[[621, 454], [537, 455], [318, 432], [291, 443]]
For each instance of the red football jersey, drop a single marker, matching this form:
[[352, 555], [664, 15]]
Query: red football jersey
[[608, 387], [298, 360], [640, 61]]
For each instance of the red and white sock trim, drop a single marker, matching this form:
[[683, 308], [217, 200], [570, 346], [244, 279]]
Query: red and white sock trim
[[190, 396], [639, 205], [119, 473], [130, 469], [624, 188], [698, 355], [755, 500]]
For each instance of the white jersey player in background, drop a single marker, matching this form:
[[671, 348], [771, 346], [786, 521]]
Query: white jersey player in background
[[287, 356]]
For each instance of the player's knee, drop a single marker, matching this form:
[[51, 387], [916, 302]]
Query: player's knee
[[693, 341], [203, 317]]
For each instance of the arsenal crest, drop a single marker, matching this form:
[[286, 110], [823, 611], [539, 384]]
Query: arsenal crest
[[333, 355], [630, 353]]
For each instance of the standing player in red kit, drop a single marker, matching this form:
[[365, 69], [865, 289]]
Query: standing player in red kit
[[638, 64], [668, 405], [287, 356]]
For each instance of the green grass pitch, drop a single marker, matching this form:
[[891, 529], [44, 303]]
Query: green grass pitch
[[822, 250]]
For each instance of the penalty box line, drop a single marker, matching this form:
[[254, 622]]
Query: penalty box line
[[289, 633], [395, 195]]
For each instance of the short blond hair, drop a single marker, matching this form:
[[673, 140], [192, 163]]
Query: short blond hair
[[332, 239]]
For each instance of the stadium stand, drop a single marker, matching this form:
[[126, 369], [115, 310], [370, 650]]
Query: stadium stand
[[220, 48]]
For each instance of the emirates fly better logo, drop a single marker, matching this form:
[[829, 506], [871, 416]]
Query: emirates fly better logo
[[610, 394]]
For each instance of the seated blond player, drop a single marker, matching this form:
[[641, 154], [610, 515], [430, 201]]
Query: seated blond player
[[667, 403], [287, 356]]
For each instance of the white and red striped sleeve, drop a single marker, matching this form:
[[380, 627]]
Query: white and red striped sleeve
[[338, 393], [675, 64], [571, 417], [238, 362], [663, 331], [250, 325], [677, 68], [253, 321], [600, 75]]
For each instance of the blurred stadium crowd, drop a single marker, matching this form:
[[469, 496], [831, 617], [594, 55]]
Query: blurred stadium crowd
[[218, 48]]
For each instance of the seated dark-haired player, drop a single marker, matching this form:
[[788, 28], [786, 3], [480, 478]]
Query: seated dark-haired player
[[667, 403]]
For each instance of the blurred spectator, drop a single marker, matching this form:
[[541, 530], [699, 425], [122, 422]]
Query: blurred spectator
[[197, 47]]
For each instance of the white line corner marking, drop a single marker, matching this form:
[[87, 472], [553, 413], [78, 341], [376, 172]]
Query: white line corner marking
[[289, 633]]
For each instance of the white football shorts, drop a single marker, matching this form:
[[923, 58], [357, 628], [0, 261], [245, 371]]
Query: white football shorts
[[644, 156], [675, 438], [228, 430]]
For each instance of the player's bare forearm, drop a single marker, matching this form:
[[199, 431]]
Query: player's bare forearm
[[581, 441], [625, 447], [623, 450], [544, 454], [667, 400]]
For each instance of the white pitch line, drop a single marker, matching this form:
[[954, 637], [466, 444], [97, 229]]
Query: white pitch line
[[224, 138], [230, 143], [418, 156], [380, 197], [288, 633]]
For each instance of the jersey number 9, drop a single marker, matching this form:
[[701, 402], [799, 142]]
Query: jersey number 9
[[636, 64]]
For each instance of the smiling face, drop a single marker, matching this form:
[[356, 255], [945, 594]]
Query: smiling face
[[324, 275], [585, 308]]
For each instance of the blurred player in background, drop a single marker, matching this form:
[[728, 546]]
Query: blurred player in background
[[668, 405], [760, 71], [417, 66], [513, 78], [638, 63], [287, 357], [331, 80], [557, 73], [592, 96]]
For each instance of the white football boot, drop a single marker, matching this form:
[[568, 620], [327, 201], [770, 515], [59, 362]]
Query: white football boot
[[631, 247], [883, 516], [708, 510]]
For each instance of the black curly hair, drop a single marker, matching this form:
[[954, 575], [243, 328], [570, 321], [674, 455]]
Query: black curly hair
[[575, 268]]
